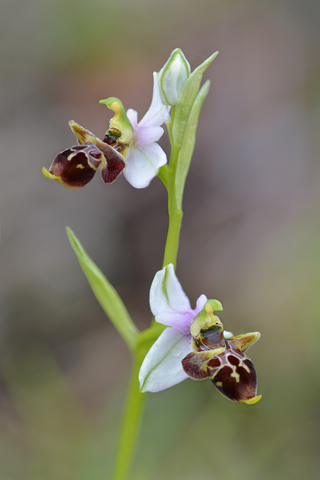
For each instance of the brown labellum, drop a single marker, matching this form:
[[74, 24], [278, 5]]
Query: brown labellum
[[76, 166], [223, 361], [236, 377]]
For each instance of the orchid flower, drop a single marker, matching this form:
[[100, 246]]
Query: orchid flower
[[195, 345], [129, 146]]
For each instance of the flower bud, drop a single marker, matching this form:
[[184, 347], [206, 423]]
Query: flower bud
[[173, 76]]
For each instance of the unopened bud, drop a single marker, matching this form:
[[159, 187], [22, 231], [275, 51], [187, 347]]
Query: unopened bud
[[173, 76]]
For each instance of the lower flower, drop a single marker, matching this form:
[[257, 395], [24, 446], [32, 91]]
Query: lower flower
[[195, 345]]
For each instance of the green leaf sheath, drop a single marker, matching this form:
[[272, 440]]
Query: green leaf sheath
[[187, 99], [189, 138], [178, 170], [105, 293]]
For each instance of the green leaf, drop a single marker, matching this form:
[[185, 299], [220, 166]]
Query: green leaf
[[186, 100], [187, 148], [105, 293]]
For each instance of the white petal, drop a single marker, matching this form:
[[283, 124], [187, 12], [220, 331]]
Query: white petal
[[158, 113], [146, 135], [166, 293], [133, 118], [142, 164], [162, 367]]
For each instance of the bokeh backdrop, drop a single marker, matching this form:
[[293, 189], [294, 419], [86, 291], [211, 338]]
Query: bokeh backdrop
[[250, 237]]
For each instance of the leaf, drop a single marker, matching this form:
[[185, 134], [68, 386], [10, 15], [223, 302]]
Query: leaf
[[187, 148], [105, 293]]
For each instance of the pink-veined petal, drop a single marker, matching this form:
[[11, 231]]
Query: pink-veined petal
[[146, 135], [162, 367], [181, 320], [142, 164], [133, 118], [158, 113], [166, 293], [178, 320], [200, 304]]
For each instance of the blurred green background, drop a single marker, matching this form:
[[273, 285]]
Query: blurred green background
[[250, 237]]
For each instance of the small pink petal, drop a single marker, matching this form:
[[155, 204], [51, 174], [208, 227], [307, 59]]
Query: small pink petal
[[200, 304], [133, 118], [147, 135], [180, 321]]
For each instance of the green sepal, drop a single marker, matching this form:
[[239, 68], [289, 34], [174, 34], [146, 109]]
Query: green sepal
[[186, 100], [185, 154], [106, 294]]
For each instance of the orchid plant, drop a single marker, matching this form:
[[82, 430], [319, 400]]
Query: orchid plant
[[181, 342]]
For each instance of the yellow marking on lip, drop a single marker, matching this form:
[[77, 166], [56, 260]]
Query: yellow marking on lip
[[80, 166], [70, 157], [46, 173], [235, 374], [243, 365], [219, 384]]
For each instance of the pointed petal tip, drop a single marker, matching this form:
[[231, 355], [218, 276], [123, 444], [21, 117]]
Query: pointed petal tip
[[46, 173], [73, 125], [252, 401]]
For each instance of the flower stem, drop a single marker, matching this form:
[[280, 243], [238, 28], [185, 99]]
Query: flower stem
[[130, 424], [172, 243], [173, 177], [175, 212]]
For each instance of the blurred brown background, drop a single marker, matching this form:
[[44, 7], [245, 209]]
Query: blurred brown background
[[250, 237]]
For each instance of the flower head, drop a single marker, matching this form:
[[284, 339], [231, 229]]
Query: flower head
[[144, 156], [129, 146], [195, 345]]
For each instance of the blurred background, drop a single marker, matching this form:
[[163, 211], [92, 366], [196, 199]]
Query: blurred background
[[250, 237]]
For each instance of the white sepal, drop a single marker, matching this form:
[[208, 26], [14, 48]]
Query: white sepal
[[162, 367]]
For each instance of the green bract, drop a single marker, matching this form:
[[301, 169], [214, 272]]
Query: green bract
[[186, 100]]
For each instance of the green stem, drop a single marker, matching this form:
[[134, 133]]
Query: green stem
[[172, 243], [175, 212], [130, 424]]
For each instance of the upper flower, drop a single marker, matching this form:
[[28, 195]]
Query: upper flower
[[128, 145], [195, 345], [144, 155]]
